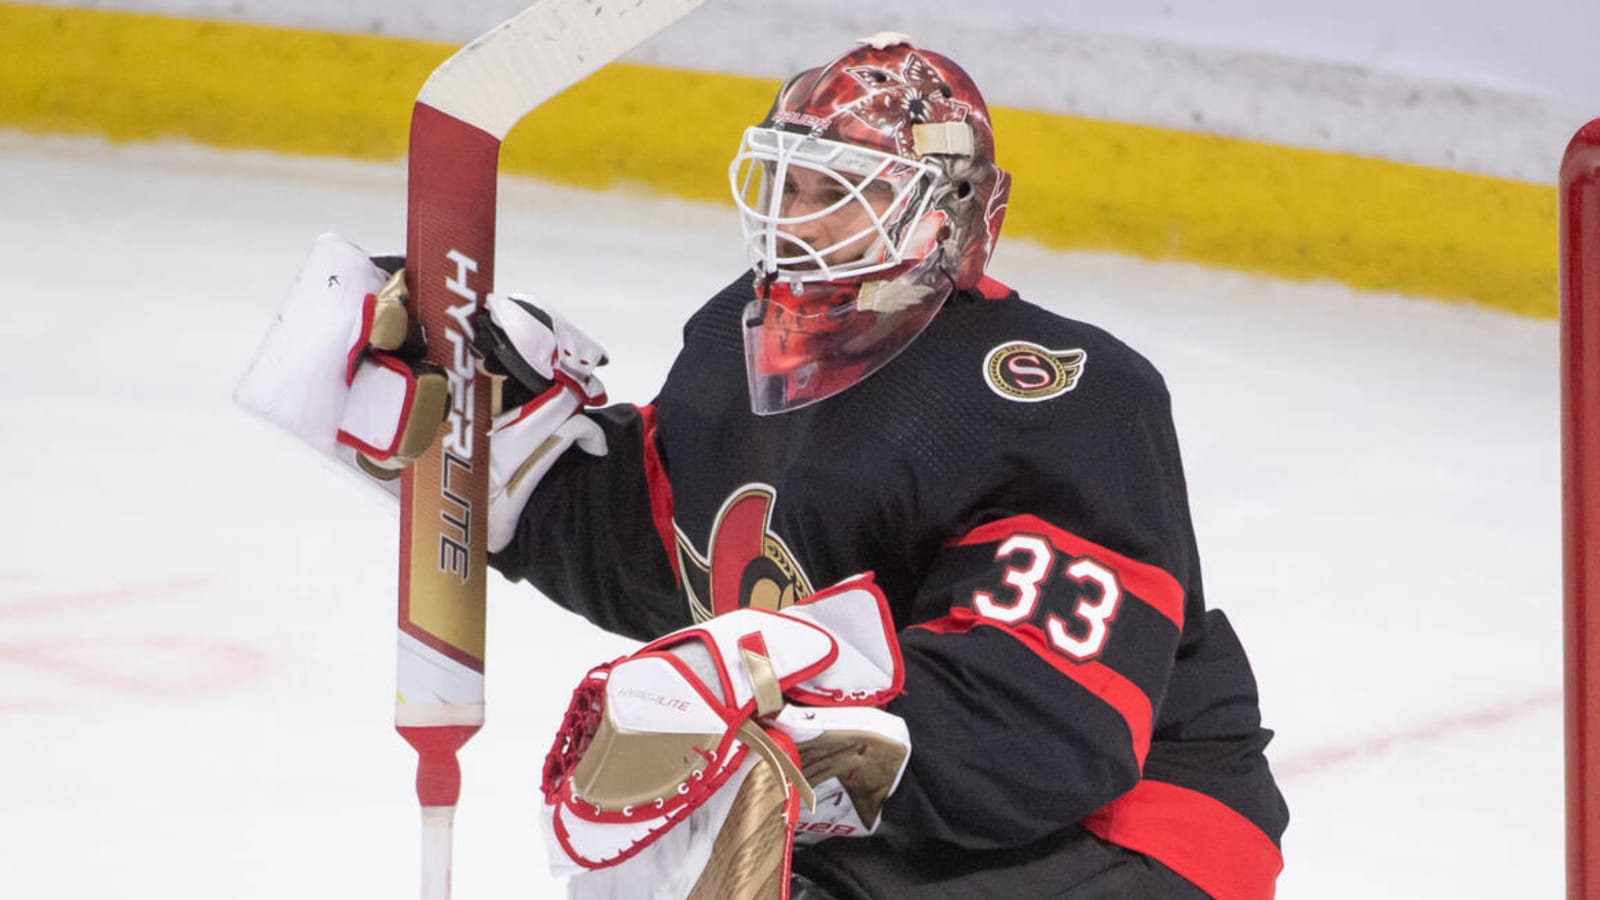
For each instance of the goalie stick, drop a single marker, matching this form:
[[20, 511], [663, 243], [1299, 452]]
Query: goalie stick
[[462, 113]]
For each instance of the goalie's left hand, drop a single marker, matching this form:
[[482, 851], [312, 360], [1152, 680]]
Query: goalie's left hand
[[660, 741], [852, 757]]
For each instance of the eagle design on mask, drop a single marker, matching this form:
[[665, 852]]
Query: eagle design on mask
[[896, 101]]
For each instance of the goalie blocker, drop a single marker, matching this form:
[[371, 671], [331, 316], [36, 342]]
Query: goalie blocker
[[341, 368]]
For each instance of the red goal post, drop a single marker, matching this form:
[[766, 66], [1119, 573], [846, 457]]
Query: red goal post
[[1579, 200]]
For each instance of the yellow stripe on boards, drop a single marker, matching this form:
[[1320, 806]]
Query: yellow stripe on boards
[[136, 77], [1079, 183], [667, 129], [1292, 213]]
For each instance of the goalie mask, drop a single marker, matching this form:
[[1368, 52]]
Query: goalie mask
[[868, 195]]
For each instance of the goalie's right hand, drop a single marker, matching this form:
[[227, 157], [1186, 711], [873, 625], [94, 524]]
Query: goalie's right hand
[[548, 370], [342, 368]]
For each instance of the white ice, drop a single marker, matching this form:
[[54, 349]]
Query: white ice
[[196, 615]]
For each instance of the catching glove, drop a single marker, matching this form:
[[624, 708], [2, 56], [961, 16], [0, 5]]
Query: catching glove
[[647, 781]]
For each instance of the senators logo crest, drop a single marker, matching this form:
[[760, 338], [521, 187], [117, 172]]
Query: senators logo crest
[[746, 564], [1026, 372]]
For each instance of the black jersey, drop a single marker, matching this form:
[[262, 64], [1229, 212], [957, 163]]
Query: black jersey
[[1013, 480]]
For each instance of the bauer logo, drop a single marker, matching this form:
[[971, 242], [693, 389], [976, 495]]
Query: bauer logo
[[1026, 372]]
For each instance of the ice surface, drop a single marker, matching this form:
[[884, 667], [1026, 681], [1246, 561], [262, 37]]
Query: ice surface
[[196, 616]]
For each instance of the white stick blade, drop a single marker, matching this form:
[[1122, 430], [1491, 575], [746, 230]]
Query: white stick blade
[[498, 78]]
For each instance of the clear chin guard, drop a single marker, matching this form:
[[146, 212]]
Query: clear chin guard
[[806, 345]]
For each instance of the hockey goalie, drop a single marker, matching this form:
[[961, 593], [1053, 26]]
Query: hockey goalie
[[910, 558]]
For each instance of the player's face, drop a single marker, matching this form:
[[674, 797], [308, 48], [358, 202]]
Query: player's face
[[808, 191]]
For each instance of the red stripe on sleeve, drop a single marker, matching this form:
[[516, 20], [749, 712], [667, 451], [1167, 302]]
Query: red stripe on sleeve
[[655, 475], [1097, 678], [1151, 584], [1195, 835]]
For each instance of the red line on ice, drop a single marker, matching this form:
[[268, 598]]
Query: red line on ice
[[53, 603], [196, 666], [1436, 730], [157, 666]]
